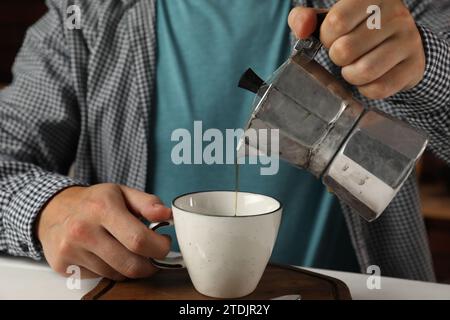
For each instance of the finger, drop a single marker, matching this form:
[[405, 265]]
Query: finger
[[87, 274], [147, 205], [69, 271], [131, 232], [134, 235], [389, 84], [376, 63], [343, 17], [121, 260], [91, 266], [302, 21], [352, 46], [99, 268]]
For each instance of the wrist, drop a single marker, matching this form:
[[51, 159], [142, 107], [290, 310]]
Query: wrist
[[54, 209], [433, 91]]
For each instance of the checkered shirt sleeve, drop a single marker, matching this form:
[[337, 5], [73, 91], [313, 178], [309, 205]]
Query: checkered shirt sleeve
[[39, 128]]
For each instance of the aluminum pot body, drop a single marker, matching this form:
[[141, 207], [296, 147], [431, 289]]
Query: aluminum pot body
[[363, 156]]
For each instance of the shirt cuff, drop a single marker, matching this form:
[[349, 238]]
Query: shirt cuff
[[433, 92], [20, 217]]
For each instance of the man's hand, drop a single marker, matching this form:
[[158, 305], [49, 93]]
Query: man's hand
[[99, 229], [381, 62]]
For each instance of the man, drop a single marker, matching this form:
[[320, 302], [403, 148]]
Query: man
[[107, 97]]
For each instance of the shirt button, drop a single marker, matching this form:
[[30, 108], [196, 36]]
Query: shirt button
[[24, 247]]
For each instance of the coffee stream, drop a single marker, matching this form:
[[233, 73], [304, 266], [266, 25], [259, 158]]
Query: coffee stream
[[236, 185]]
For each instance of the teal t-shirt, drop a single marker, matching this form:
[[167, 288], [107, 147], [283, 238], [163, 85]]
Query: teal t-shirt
[[203, 48]]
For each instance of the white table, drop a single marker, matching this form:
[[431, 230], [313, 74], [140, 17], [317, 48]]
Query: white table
[[26, 279]]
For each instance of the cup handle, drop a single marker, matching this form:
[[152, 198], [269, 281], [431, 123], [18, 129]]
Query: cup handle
[[168, 262]]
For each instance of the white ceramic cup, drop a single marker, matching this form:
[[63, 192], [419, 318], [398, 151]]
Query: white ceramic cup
[[225, 254]]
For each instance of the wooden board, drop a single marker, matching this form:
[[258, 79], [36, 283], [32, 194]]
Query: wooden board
[[176, 285]]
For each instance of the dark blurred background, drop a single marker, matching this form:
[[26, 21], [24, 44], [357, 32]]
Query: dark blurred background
[[15, 17], [434, 176]]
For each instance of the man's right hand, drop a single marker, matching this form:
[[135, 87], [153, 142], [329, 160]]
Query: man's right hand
[[99, 229]]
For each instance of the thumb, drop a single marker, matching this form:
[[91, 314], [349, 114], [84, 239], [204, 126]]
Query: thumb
[[146, 205], [303, 21]]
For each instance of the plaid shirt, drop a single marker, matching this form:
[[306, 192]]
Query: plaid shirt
[[84, 97]]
